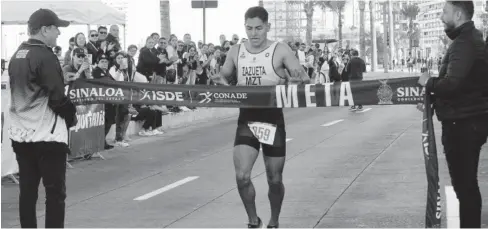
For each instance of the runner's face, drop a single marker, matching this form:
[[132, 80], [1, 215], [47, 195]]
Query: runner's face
[[257, 31]]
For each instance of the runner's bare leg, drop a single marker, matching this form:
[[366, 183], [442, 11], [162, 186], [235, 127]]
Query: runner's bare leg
[[244, 158], [276, 193]]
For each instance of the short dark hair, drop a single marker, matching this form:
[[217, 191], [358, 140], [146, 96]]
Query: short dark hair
[[467, 7], [102, 27], [72, 39], [257, 11], [152, 34]]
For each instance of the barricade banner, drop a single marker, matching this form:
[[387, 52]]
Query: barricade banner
[[396, 91], [433, 207], [9, 160], [372, 92], [88, 136]]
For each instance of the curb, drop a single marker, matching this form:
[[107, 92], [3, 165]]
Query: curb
[[183, 119]]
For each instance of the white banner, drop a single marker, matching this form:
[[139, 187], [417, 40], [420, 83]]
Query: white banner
[[9, 162]]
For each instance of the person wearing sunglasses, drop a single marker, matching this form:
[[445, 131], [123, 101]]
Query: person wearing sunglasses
[[78, 68], [92, 48]]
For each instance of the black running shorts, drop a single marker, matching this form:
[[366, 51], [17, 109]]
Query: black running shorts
[[244, 136]]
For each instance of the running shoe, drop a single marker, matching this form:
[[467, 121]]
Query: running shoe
[[260, 224]]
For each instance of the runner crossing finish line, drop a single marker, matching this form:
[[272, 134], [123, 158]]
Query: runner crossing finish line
[[395, 91]]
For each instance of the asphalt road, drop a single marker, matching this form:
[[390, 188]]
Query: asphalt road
[[359, 170]]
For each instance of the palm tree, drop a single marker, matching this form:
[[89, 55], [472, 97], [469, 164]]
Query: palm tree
[[338, 7], [308, 8], [362, 34], [165, 19], [374, 54], [410, 11]]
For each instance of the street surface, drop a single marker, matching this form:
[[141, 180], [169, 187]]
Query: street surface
[[343, 170]]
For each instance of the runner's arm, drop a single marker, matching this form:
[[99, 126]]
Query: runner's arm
[[296, 72], [226, 71]]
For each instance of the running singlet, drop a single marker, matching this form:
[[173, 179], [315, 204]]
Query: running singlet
[[257, 70]]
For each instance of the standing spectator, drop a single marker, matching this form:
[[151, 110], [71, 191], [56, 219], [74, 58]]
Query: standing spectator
[[222, 39], [461, 104], [235, 39], [40, 120], [187, 42], [310, 59], [122, 117], [92, 47], [102, 34], [355, 68], [67, 54], [101, 72], [58, 52]]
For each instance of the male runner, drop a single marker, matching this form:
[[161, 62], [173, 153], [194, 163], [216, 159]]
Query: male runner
[[260, 62]]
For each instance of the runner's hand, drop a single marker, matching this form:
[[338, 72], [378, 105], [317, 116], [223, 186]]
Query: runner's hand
[[298, 76], [420, 107], [215, 76]]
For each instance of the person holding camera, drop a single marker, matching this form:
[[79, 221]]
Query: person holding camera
[[40, 120], [78, 68]]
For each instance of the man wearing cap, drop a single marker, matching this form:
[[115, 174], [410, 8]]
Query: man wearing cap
[[101, 72], [40, 114]]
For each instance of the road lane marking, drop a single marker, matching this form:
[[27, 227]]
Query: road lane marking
[[452, 212], [364, 110], [333, 123], [166, 188]]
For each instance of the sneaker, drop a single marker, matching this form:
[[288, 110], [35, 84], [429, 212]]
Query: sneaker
[[360, 108], [145, 133], [107, 146], [121, 144], [260, 224], [353, 108], [276, 226], [185, 109], [157, 132]]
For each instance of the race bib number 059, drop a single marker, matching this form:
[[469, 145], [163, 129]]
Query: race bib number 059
[[264, 132]]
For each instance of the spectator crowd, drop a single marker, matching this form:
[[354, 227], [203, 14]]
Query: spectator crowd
[[163, 60], [169, 60]]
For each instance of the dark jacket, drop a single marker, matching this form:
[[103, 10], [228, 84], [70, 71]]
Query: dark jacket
[[461, 90], [355, 69], [38, 95]]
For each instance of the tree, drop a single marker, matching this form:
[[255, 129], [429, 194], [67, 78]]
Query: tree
[[308, 7], [362, 33], [165, 18], [410, 11], [337, 7]]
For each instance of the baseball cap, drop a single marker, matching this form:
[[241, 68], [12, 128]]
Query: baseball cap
[[45, 17], [102, 57], [79, 51]]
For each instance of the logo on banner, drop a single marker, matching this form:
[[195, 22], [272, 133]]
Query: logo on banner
[[222, 97], [161, 95], [208, 97], [96, 93], [410, 94], [385, 93]]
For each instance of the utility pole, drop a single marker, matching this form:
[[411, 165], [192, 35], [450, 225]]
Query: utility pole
[[386, 60], [392, 31], [374, 49], [362, 36]]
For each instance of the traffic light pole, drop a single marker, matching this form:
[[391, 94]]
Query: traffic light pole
[[204, 24]]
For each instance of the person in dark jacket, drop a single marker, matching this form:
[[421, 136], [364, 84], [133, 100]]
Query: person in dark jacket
[[460, 95], [40, 120], [101, 72], [355, 69]]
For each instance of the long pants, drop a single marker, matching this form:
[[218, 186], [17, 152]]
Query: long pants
[[46, 160], [462, 140], [122, 119]]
